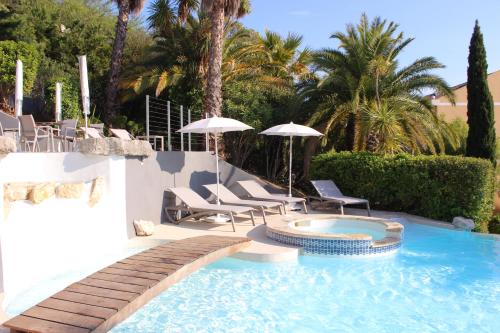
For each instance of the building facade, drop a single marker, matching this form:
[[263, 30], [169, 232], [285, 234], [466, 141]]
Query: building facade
[[450, 112]]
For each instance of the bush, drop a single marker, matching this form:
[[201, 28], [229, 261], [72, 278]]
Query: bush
[[494, 226], [438, 187]]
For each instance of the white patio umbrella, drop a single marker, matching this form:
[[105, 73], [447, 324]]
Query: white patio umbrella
[[58, 101], [215, 125], [19, 89], [84, 86], [291, 130]]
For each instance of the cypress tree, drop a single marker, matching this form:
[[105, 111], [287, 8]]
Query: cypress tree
[[481, 139]]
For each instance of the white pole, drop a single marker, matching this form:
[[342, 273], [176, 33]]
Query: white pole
[[19, 89], [189, 134], [217, 166], [84, 85], [182, 125], [206, 136], [147, 117], [58, 101], [290, 169], [169, 144]]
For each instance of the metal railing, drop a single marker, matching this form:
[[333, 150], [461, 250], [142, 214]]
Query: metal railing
[[164, 118]]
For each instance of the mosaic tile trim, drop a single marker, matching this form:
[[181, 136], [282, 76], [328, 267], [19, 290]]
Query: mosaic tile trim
[[333, 246]]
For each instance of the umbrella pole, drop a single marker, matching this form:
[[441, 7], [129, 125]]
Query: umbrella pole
[[217, 166], [290, 169]]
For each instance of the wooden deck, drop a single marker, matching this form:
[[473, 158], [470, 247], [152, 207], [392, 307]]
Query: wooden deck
[[107, 297]]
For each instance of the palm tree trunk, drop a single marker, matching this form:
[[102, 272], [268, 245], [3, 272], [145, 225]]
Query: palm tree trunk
[[212, 101], [116, 61]]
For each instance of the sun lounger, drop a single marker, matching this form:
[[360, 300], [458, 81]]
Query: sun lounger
[[329, 192], [197, 207], [257, 192], [229, 198]]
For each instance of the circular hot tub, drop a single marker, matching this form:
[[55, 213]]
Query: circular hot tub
[[345, 235]]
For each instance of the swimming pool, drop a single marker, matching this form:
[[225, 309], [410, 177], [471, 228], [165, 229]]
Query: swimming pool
[[440, 281], [346, 226]]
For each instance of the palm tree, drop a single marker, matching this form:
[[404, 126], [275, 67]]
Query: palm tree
[[217, 11], [125, 8], [363, 86]]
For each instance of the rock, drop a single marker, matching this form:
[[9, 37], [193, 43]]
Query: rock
[[114, 146], [144, 228], [41, 192], [69, 191], [16, 191], [7, 145], [97, 191], [463, 223]]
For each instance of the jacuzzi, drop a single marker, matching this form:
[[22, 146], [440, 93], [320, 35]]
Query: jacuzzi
[[339, 235]]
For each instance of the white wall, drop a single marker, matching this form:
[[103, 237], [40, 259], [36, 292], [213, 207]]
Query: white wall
[[58, 235]]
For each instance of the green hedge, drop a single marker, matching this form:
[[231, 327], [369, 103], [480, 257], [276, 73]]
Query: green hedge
[[438, 187]]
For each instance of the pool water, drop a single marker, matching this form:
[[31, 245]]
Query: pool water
[[343, 225], [439, 281]]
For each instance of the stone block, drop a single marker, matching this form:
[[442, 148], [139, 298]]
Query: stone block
[[41, 192], [144, 228], [463, 223], [114, 146], [70, 191], [7, 145], [97, 191]]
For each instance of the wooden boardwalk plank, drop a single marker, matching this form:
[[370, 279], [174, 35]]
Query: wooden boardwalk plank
[[103, 299], [63, 317], [103, 292], [130, 288], [28, 324], [123, 279], [76, 297], [78, 308], [133, 273]]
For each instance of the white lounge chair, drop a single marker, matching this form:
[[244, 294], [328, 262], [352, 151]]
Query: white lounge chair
[[197, 207], [257, 192], [125, 135], [228, 197], [91, 132], [329, 192]]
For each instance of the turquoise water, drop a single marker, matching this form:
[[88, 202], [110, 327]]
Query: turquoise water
[[439, 281], [376, 235]]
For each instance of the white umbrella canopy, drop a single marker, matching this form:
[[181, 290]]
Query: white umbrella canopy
[[291, 130], [215, 125]]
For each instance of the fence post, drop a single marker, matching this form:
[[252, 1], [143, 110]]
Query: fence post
[[189, 134], [169, 142], [147, 117], [182, 125], [206, 136]]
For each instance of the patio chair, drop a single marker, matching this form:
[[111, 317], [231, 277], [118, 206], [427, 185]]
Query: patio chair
[[125, 135], [197, 207], [329, 192], [229, 198], [1, 130], [66, 133], [31, 133], [91, 132], [257, 192], [99, 128], [122, 134]]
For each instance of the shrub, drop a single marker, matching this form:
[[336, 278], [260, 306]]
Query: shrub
[[439, 187], [494, 226], [10, 51]]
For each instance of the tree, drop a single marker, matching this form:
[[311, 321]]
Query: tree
[[364, 91], [10, 51], [218, 11], [125, 8], [481, 139]]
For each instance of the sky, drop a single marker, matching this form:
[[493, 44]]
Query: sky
[[441, 28]]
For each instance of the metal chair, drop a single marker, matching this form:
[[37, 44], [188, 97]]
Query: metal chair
[[66, 133], [31, 134]]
